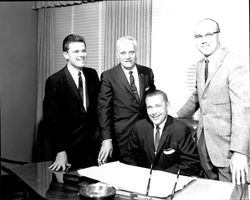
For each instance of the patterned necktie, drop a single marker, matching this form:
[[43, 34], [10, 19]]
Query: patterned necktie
[[157, 137], [80, 86], [133, 87], [206, 69]]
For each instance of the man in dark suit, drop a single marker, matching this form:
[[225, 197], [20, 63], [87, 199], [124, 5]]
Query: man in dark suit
[[121, 100], [162, 142], [69, 108]]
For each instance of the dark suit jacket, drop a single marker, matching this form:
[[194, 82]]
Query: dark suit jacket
[[175, 135], [67, 124], [118, 109]]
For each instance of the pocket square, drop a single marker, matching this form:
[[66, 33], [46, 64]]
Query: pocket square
[[169, 151]]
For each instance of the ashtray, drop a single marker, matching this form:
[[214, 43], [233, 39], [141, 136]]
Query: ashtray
[[98, 191]]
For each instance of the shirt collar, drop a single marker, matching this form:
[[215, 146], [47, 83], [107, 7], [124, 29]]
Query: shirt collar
[[126, 71], [162, 124], [213, 57], [73, 70]]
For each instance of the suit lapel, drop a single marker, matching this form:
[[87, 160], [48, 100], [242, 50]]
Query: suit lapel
[[122, 77], [165, 132], [150, 140], [218, 64], [201, 67], [141, 81]]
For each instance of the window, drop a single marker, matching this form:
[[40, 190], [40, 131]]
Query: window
[[86, 20]]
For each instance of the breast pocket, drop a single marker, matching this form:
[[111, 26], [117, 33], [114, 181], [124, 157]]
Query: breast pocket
[[168, 157]]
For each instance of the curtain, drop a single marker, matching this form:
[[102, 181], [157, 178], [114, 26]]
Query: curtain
[[46, 56], [45, 67], [128, 18], [47, 4]]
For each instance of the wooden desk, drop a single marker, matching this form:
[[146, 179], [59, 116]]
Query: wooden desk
[[42, 183]]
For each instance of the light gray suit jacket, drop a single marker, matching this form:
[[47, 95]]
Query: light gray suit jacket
[[224, 102]]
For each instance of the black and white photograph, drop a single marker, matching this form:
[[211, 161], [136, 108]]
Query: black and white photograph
[[125, 99]]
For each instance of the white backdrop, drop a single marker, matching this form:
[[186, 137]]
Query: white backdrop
[[173, 50]]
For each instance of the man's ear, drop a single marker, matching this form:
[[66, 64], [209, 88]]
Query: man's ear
[[66, 55], [117, 55]]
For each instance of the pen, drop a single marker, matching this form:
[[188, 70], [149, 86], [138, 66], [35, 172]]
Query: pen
[[177, 177], [149, 180]]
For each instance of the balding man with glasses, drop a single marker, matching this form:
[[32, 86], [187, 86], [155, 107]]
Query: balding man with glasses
[[223, 96]]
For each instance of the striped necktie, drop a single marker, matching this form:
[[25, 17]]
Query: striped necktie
[[133, 86]]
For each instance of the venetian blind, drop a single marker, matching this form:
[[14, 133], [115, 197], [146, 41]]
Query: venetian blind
[[86, 20]]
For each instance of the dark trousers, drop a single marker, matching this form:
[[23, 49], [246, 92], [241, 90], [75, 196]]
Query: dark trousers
[[209, 170]]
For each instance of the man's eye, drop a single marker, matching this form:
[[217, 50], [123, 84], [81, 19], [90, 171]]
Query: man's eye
[[208, 35], [78, 51], [198, 36]]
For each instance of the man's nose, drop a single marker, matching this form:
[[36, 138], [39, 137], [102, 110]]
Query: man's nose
[[203, 40], [153, 112], [81, 53], [127, 56]]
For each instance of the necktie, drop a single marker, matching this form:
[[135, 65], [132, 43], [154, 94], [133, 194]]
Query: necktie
[[133, 87], [206, 69], [80, 86], [157, 137]]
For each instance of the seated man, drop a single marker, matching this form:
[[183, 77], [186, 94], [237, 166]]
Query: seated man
[[161, 141]]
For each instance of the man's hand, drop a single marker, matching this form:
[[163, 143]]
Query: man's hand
[[239, 168], [61, 162], [106, 150]]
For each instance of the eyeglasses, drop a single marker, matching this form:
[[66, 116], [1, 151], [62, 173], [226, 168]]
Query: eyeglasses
[[207, 35]]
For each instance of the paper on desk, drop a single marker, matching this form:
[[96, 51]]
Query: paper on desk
[[135, 179]]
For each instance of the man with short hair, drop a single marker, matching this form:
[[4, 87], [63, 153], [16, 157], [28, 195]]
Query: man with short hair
[[162, 142], [69, 108], [223, 96], [121, 100]]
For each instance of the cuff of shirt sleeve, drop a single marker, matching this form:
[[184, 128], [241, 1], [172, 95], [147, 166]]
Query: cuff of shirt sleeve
[[107, 140]]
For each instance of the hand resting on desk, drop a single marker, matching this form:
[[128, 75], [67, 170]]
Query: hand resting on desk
[[61, 162]]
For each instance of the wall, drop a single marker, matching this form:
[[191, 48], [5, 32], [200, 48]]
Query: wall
[[18, 39]]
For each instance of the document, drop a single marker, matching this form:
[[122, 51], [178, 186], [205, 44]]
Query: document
[[135, 179]]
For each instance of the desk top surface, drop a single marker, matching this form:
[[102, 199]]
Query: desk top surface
[[48, 185]]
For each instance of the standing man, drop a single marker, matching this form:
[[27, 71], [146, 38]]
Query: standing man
[[69, 108], [223, 96], [161, 142], [121, 100]]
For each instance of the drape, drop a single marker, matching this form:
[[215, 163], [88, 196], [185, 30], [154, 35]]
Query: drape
[[45, 67], [122, 18], [128, 18], [48, 4]]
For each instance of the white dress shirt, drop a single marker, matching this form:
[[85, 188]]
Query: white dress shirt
[[135, 74], [74, 73]]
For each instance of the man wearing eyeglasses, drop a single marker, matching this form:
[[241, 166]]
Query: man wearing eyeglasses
[[223, 96]]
